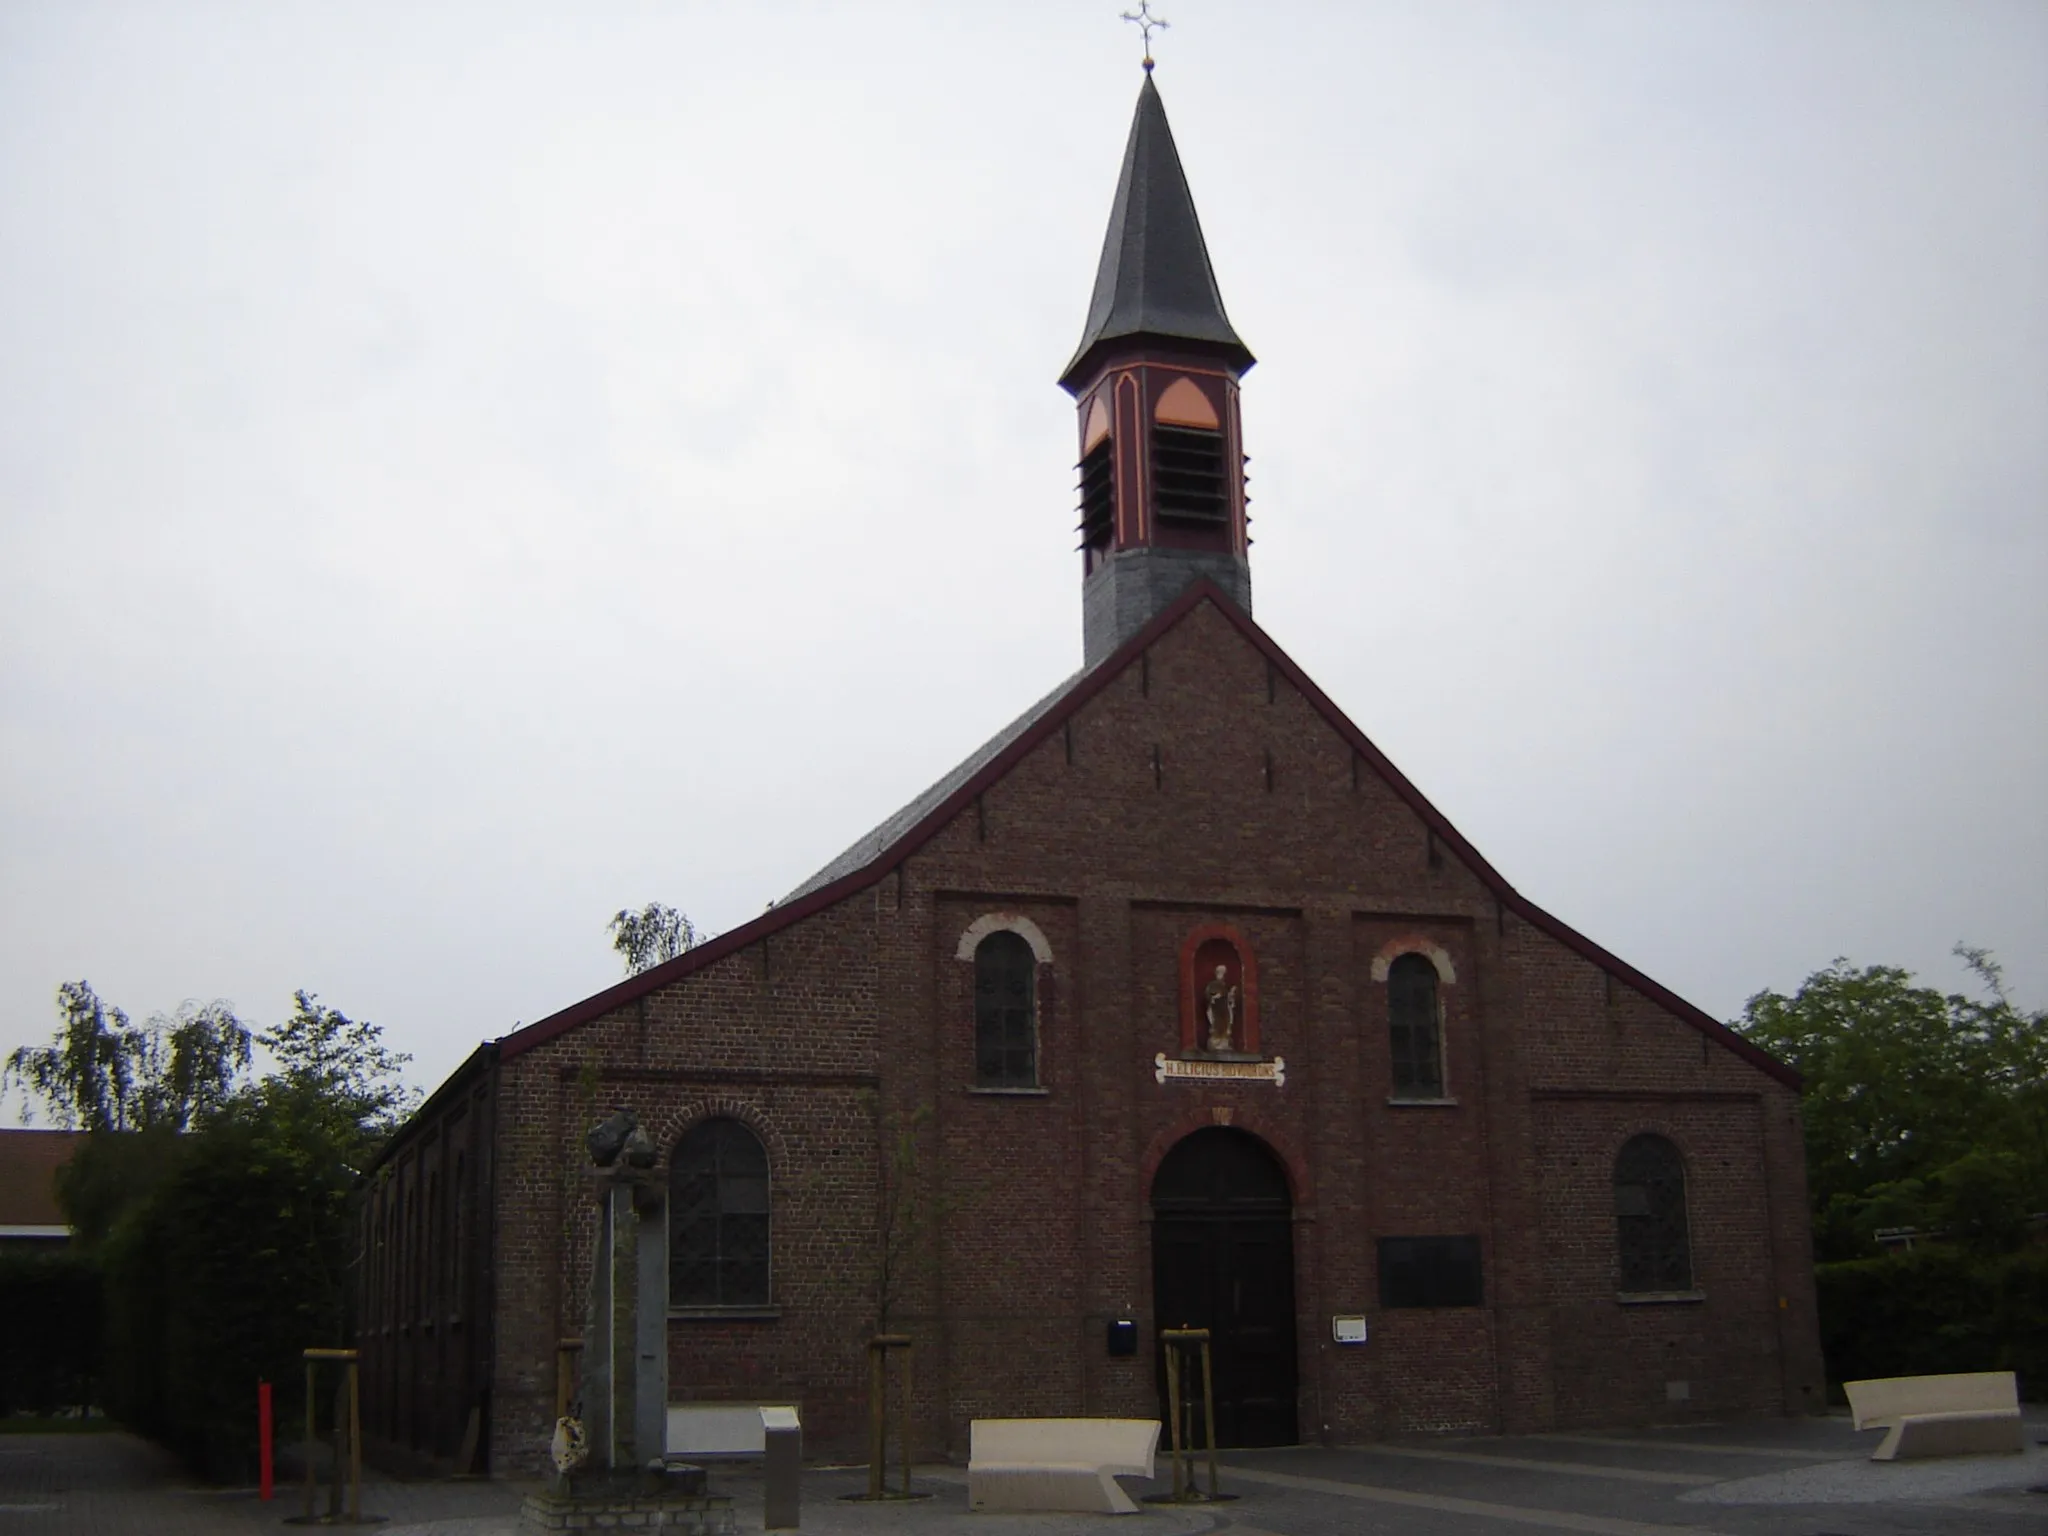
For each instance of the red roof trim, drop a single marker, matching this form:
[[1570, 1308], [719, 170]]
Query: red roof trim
[[1509, 897], [1092, 683], [778, 918]]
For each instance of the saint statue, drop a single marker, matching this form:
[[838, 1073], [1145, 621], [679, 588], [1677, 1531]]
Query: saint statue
[[1219, 999]]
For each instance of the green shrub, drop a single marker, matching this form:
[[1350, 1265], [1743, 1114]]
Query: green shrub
[[1934, 1310], [214, 1212], [234, 1265]]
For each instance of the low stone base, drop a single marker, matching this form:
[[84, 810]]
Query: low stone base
[[701, 1514]]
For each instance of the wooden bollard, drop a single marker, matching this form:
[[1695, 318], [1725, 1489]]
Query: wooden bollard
[[312, 1436], [347, 1420], [1176, 1339], [904, 1391], [1173, 1418], [878, 1430], [878, 1396]]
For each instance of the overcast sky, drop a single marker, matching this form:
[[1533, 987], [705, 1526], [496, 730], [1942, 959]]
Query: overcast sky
[[468, 468]]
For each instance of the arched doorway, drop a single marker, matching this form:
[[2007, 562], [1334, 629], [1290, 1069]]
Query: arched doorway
[[1223, 1259]]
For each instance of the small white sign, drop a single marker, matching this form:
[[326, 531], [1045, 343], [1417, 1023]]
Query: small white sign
[[1348, 1330], [1165, 1066]]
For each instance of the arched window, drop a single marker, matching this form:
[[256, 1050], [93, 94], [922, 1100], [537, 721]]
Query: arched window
[[1413, 1028], [1005, 1012], [718, 1217], [1649, 1216]]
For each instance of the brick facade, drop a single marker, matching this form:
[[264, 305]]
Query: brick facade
[[1196, 779]]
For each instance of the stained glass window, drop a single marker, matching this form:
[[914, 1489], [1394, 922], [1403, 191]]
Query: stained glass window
[[718, 1217], [1412, 1023], [1005, 1021], [1649, 1216]]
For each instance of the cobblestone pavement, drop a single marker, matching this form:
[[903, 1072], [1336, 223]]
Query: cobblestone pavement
[[1808, 1477]]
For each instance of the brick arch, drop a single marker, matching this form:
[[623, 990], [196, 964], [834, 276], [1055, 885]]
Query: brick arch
[[665, 1119], [1688, 1172], [1631, 1129], [1414, 944], [1003, 922], [668, 1125], [1300, 1188]]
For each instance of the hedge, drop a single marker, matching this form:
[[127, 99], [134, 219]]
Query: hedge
[[220, 1278], [1935, 1310]]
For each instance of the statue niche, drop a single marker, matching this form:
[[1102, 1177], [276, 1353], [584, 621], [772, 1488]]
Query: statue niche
[[1219, 994]]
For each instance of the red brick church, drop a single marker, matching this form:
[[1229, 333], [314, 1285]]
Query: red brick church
[[1198, 1014]]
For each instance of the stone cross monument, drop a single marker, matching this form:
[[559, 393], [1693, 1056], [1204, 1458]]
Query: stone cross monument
[[625, 1356]]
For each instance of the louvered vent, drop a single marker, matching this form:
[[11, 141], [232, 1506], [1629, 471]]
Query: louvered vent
[[1098, 497], [1187, 471]]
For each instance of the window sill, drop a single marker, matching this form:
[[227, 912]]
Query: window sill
[[1657, 1298], [756, 1313], [1011, 1093], [1413, 1103]]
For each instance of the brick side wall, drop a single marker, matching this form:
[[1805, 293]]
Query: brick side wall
[[1196, 788], [782, 1037], [422, 1285]]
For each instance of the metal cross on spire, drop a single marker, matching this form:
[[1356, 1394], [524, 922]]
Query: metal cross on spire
[[1146, 23]]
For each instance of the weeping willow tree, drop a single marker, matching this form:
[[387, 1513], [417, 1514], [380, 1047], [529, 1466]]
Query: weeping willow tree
[[646, 938]]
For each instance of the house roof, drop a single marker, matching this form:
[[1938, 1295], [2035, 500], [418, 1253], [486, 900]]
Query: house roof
[[1154, 278], [29, 1161], [903, 834]]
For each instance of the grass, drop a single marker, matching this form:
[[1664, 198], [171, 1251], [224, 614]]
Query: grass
[[37, 1424]]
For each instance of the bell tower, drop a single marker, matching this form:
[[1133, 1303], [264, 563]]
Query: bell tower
[[1155, 384]]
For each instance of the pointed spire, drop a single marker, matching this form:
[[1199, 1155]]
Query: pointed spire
[[1154, 278]]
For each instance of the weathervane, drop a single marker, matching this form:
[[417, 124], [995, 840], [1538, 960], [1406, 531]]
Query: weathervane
[[1146, 22]]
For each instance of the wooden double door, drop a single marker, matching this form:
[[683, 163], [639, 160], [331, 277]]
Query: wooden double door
[[1223, 1259]]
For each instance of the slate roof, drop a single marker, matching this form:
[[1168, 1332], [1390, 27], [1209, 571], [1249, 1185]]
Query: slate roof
[[897, 838], [867, 849], [1154, 278]]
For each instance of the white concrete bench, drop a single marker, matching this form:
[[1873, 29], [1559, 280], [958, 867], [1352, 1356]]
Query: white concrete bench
[[1058, 1464], [1960, 1415], [703, 1431]]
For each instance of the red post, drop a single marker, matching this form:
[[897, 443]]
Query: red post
[[263, 1436]]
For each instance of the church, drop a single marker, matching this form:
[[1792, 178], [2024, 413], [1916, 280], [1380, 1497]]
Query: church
[[1175, 1004]]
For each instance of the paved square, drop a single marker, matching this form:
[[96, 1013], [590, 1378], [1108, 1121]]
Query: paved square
[[1807, 1477]]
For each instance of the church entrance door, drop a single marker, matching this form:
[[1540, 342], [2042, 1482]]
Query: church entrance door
[[1223, 1259]]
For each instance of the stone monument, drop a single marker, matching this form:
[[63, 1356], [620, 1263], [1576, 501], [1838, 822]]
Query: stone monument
[[610, 1451]]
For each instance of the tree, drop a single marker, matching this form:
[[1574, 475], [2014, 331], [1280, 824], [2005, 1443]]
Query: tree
[[341, 1064], [646, 938], [217, 1211], [1922, 1108], [83, 1075], [189, 1063], [904, 1211], [102, 1073]]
